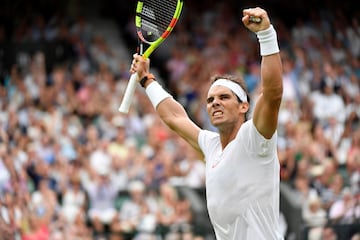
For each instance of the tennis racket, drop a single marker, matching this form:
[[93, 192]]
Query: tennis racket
[[154, 20]]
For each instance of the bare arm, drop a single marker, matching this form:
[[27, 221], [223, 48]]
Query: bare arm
[[174, 116], [266, 111], [171, 112]]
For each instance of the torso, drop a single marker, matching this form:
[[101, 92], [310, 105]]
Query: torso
[[242, 184]]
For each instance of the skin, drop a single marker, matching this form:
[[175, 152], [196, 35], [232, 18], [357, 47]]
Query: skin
[[225, 112]]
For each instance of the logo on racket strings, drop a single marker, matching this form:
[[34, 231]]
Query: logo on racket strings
[[150, 28]]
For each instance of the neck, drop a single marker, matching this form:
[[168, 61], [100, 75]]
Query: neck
[[227, 134]]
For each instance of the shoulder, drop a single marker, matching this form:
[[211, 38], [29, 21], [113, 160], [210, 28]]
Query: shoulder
[[254, 140], [208, 134], [249, 127], [207, 139]]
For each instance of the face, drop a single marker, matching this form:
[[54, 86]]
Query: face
[[223, 107]]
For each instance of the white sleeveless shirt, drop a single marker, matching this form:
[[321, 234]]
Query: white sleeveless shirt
[[242, 185]]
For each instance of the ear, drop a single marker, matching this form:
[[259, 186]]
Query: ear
[[244, 107]]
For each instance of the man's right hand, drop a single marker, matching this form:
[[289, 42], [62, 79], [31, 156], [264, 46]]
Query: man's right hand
[[140, 65]]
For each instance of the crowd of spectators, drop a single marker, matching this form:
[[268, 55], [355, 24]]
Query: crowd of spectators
[[72, 166]]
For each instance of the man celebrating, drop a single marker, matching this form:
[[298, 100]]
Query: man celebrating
[[242, 169]]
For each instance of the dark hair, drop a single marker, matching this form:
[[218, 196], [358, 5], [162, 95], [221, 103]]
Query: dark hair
[[238, 80]]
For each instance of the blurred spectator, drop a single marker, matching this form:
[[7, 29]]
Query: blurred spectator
[[11, 215], [190, 169], [356, 237], [74, 200], [326, 96], [333, 189], [136, 216], [168, 199], [321, 148], [117, 146], [328, 233], [345, 210], [353, 163], [176, 66], [314, 216], [100, 159], [302, 189], [102, 194], [44, 199], [182, 223]]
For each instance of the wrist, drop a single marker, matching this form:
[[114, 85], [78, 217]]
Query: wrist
[[268, 41], [147, 79], [156, 93]]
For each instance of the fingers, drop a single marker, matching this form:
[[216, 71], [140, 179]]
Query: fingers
[[137, 59], [251, 17], [140, 65], [256, 12]]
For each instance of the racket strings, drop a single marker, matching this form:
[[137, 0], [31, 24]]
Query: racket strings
[[155, 17]]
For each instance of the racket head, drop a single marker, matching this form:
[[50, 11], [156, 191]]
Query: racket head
[[155, 20]]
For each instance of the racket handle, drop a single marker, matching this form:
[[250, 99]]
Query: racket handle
[[129, 93], [255, 19]]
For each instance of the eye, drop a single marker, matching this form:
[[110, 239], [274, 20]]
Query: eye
[[224, 96], [210, 99]]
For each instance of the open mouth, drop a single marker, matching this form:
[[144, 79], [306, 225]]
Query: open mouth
[[217, 113]]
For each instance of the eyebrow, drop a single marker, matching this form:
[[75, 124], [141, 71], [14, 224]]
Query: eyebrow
[[211, 98]]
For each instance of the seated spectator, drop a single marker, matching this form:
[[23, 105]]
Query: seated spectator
[[102, 194], [77, 229], [329, 233], [314, 216], [11, 215], [313, 213], [73, 200], [302, 188], [353, 163], [356, 237], [182, 223], [168, 200], [44, 199], [37, 220], [134, 215], [345, 210], [191, 170], [330, 184], [328, 97], [37, 231]]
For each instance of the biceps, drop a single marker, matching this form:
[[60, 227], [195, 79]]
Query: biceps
[[187, 130], [176, 118]]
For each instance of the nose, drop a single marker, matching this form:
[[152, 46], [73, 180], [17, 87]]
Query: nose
[[215, 102]]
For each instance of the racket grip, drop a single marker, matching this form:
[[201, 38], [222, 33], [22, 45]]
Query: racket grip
[[129, 93], [255, 19]]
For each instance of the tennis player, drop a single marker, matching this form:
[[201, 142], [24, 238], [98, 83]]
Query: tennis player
[[242, 168]]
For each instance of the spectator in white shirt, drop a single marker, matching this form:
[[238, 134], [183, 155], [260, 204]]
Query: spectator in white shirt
[[345, 210]]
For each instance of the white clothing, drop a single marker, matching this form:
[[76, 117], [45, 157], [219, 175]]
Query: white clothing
[[196, 174], [104, 215], [327, 106], [72, 203], [242, 185], [343, 213], [100, 161]]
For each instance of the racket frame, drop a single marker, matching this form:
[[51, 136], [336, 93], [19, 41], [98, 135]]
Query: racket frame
[[130, 89]]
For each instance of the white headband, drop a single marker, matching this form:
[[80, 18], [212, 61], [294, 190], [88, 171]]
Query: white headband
[[236, 88]]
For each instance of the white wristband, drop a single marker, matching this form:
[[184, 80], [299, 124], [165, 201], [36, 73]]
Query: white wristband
[[156, 93], [268, 41]]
